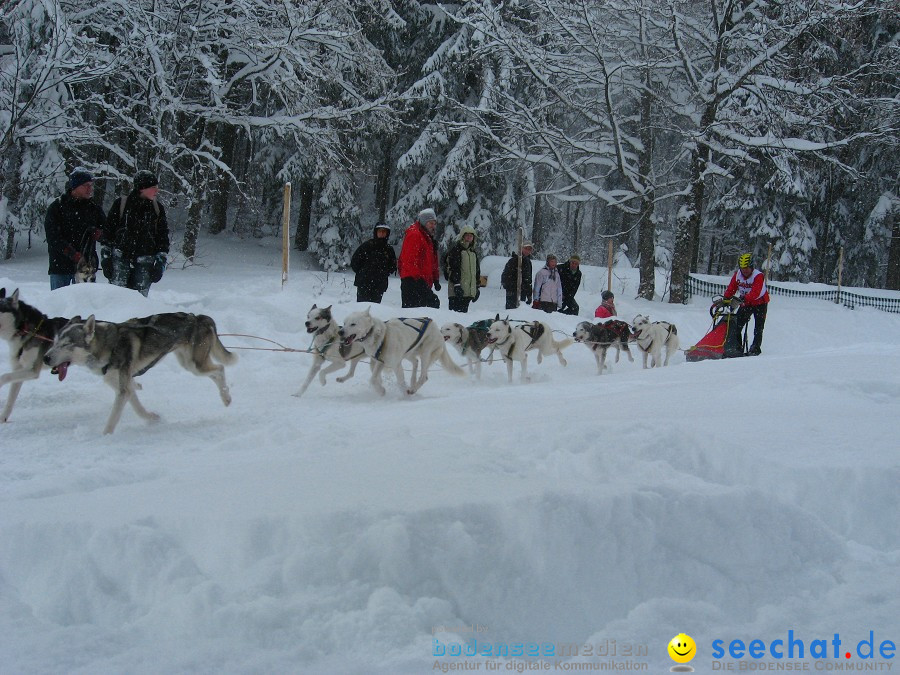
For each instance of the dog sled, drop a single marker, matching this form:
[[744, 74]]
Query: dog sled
[[724, 340]]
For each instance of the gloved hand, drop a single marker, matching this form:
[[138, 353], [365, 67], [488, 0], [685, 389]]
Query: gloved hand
[[437, 285], [96, 234], [457, 290], [76, 257], [536, 304], [477, 295]]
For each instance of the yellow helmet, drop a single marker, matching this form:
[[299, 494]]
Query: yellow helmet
[[746, 260]]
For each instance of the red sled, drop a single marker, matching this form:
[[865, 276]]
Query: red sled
[[724, 340]]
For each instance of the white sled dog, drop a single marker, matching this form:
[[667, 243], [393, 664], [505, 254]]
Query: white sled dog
[[515, 341], [389, 343], [652, 337], [119, 352], [327, 346], [29, 334], [469, 342], [600, 337]]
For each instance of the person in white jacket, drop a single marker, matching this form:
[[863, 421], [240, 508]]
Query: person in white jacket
[[548, 294]]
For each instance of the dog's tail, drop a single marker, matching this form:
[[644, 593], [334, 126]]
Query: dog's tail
[[562, 344], [217, 349], [448, 364]]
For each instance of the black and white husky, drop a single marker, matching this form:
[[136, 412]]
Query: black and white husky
[[600, 337], [390, 343], [514, 341], [119, 352], [469, 342], [327, 346], [29, 334]]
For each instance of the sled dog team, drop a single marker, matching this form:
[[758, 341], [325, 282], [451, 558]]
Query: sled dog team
[[119, 352]]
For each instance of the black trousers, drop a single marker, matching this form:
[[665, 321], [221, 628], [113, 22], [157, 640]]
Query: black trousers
[[459, 304], [548, 307], [417, 293], [569, 305], [511, 298], [758, 312], [364, 294]]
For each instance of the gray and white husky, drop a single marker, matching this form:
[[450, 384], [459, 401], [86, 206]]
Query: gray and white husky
[[600, 337], [390, 343], [514, 341], [469, 342], [29, 334], [652, 337], [327, 346], [119, 352]]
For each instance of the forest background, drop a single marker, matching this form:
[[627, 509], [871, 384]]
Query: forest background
[[684, 131]]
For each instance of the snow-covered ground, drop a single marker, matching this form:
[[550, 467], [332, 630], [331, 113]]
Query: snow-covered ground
[[345, 532]]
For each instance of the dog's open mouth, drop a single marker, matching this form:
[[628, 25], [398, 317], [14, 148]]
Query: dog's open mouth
[[311, 329], [348, 340], [491, 339], [60, 370]]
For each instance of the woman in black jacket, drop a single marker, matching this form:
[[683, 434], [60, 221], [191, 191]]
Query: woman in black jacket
[[137, 236], [374, 261]]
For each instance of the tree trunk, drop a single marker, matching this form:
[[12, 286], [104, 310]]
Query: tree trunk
[[304, 215], [686, 225], [218, 212], [383, 180], [11, 190], [647, 224], [192, 228], [892, 281]]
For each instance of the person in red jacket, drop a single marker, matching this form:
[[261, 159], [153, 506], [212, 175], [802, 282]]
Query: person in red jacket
[[607, 308], [748, 286], [417, 265]]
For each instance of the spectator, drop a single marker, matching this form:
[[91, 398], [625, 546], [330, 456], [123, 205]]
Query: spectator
[[418, 263], [508, 278], [374, 261], [748, 285], [136, 236], [548, 287], [463, 271], [607, 307], [570, 276], [73, 224]]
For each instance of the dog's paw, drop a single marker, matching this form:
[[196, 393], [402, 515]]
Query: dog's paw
[[341, 379], [153, 418]]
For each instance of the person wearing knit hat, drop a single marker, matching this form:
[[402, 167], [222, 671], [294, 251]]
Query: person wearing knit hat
[[548, 287], [136, 238], [417, 265], [373, 262], [570, 276], [73, 224]]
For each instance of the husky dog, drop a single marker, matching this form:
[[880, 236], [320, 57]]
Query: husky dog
[[29, 334], [652, 337], [86, 269], [514, 343], [469, 342], [389, 343], [327, 346], [601, 336], [122, 351]]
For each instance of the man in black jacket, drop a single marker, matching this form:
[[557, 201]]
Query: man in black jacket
[[73, 224], [570, 276], [508, 278], [137, 236], [374, 261]]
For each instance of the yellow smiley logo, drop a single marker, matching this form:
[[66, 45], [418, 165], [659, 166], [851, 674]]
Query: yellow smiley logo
[[682, 648]]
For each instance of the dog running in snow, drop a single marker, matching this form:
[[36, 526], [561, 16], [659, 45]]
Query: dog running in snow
[[514, 341], [327, 346], [652, 337], [469, 342], [119, 352], [29, 334], [599, 337], [389, 343]]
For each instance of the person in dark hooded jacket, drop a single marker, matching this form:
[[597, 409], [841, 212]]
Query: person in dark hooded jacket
[[73, 224], [374, 261], [463, 271], [136, 237]]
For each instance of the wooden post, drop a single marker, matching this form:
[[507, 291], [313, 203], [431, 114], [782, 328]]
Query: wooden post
[[609, 266], [520, 239], [837, 298], [769, 262], [285, 234]]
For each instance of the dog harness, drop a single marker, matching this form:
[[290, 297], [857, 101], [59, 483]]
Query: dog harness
[[420, 332]]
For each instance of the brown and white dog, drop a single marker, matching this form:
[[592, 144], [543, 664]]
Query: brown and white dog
[[600, 337], [652, 337]]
